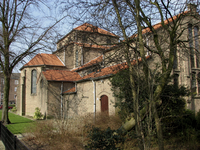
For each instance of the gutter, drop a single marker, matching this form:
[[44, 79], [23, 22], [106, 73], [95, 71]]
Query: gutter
[[41, 66], [61, 99], [92, 79], [94, 91]]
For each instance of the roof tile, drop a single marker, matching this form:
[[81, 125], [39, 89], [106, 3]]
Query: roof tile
[[90, 63], [70, 90], [90, 28], [110, 70], [45, 59], [61, 75], [159, 25]]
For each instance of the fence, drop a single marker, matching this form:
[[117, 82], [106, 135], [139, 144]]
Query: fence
[[10, 141]]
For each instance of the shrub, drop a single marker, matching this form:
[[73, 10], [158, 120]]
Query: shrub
[[14, 109], [198, 126], [104, 139], [180, 125], [37, 114]]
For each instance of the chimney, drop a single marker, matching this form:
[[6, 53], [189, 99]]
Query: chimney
[[192, 7]]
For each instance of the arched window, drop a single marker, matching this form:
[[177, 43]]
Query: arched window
[[196, 38], [198, 80], [176, 76], [76, 59], [33, 81], [193, 84], [191, 45]]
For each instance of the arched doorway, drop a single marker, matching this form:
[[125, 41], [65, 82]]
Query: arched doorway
[[104, 103]]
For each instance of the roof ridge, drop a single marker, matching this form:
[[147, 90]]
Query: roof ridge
[[159, 24], [95, 28]]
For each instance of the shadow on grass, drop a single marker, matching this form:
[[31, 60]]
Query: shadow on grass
[[18, 123]]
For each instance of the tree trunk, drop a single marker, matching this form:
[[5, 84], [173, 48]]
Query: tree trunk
[[158, 127], [5, 118]]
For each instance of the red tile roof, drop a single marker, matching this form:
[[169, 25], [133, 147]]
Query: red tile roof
[[61, 75], [159, 25], [90, 63], [45, 59], [70, 90], [90, 28], [71, 76], [110, 70]]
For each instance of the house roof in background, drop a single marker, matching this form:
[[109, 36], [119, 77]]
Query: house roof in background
[[61, 75], [91, 28], [45, 59]]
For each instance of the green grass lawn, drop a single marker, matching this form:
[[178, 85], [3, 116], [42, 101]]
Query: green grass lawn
[[18, 124]]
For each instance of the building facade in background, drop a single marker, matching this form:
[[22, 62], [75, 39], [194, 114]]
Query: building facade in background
[[14, 83], [74, 80]]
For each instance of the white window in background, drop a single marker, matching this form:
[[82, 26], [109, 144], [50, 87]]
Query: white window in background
[[15, 96], [15, 89], [1, 95], [16, 81]]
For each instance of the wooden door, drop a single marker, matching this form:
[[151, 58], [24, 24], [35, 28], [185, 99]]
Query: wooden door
[[104, 103]]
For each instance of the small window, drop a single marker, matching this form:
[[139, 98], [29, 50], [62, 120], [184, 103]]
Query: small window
[[108, 41], [198, 80], [1, 95], [84, 38], [176, 80], [76, 61], [16, 81], [175, 59], [15, 89], [15, 96]]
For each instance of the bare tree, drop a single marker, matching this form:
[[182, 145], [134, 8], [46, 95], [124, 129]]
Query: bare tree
[[125, 17], [22, 34]]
